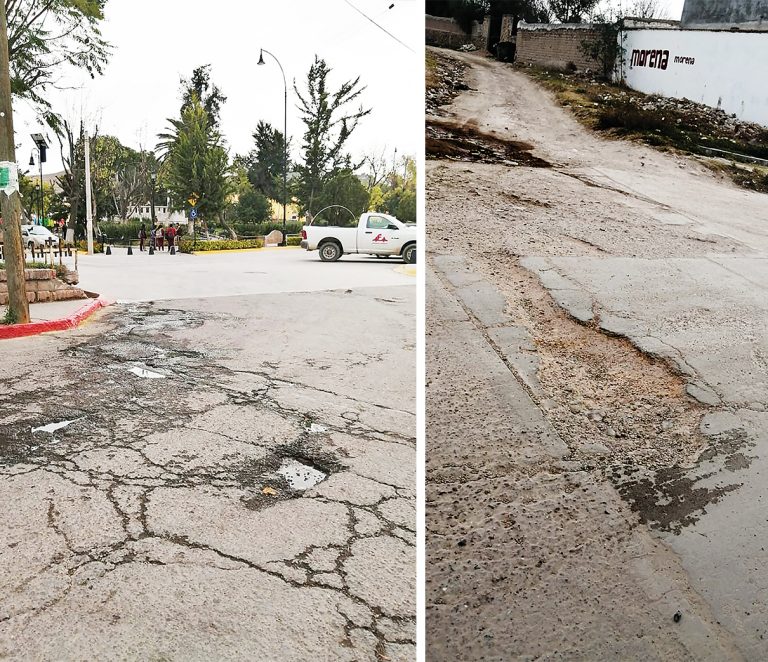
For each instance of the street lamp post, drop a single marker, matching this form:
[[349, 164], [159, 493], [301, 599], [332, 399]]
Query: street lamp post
[[41, 145], [153, 177], [285, 135], [40, 188]]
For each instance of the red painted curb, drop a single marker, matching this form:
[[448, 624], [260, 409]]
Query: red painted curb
[[33, 328]]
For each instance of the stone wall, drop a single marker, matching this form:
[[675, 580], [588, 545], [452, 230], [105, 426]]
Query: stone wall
[[554, 46], [447, 33], [41, 285]]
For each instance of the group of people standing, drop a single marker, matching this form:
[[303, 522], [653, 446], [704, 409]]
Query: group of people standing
[[159, 236]]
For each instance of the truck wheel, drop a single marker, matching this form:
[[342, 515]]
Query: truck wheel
[[330, 252], [409, 254]]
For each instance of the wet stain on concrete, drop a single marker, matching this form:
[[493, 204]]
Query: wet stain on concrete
[[672, 498]]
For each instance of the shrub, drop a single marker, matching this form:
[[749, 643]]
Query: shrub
[[123, 231], [82, 245], [293, 241], [187, 245], [248, 229]]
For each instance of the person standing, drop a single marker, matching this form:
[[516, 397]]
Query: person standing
[[159, 236], [142, 236], [153, 237], [170, 235]]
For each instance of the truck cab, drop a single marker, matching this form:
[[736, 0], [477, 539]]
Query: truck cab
[[375, 234]]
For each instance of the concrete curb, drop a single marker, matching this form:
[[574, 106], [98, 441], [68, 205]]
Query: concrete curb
[[62, 324], [406, 270]]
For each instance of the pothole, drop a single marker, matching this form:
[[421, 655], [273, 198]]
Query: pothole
[[300, 476]]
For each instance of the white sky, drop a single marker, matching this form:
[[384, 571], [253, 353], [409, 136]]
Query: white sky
[[156, 42]]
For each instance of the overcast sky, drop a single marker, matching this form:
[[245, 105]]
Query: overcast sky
[[158, 41]]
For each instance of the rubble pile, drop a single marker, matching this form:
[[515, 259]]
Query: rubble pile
[[711, 123], [449, 76]]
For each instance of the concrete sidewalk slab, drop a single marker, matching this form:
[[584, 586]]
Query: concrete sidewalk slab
[[53, 310], [69, 318]]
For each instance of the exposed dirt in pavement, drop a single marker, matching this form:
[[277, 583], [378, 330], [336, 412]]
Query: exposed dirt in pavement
[[465, 142], [510, 540]]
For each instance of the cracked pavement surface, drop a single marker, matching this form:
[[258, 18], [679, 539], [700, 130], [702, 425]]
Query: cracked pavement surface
[[596, 394], [156, 523]]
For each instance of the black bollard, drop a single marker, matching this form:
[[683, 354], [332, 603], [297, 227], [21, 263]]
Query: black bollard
[[173, 250], [130, 250], [109, 250], [151, 249]]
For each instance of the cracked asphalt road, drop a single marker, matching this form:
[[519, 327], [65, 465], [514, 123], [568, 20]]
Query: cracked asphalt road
[[596, 394], [156, 524]]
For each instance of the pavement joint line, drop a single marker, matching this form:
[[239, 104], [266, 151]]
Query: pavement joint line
[[489, 341]]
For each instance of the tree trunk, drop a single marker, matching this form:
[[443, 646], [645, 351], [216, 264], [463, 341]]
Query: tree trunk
[[229, 228], [13, 247]]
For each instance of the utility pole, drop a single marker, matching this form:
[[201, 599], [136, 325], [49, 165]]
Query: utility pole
[[10, 202], [88, 211]]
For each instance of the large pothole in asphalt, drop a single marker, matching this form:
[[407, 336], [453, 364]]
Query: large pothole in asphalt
[[461, 141], [288, 472]]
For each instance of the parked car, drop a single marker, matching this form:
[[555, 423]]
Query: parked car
[[37, 235], [375, 234]]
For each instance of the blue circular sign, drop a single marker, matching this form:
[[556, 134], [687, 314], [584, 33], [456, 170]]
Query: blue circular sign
[[193, 213]]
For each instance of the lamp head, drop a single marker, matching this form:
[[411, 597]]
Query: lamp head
[[31, 159], [261, 57]]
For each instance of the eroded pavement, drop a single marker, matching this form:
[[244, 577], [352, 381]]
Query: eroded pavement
[[229, 478], [596, 405]]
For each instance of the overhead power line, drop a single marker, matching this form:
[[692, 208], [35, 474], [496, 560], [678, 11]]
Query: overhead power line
[[368, 18]]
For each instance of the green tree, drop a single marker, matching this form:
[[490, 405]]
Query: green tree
[[264, 163], [43, 35], [395, 188], [196, 163], [251, 206], [201, 87], [343, 188], [54, 206], [329, 123]]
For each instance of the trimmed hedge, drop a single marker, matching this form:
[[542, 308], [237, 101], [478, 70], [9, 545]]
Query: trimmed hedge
[[188, 245], [82, 245], [293, 241]]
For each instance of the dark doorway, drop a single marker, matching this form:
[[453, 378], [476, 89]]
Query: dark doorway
[[494, 32]]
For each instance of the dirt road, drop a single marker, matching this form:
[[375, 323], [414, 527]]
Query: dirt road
[[597, 388]]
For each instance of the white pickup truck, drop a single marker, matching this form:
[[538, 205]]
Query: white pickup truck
[[375, 234]]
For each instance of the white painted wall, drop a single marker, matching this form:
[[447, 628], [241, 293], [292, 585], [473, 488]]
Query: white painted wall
[[729, 70]]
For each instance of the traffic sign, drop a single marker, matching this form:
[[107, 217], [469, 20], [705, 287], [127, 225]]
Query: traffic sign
[[193, 213], [193, 199]]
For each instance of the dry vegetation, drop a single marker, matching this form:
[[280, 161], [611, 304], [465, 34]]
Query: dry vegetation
[[668, 124]]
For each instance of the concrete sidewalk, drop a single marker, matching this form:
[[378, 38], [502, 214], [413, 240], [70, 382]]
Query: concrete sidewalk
[[54, 310]]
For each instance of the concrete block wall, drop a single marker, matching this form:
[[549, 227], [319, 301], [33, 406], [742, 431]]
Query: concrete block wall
[[555, 46], [41, 285]]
